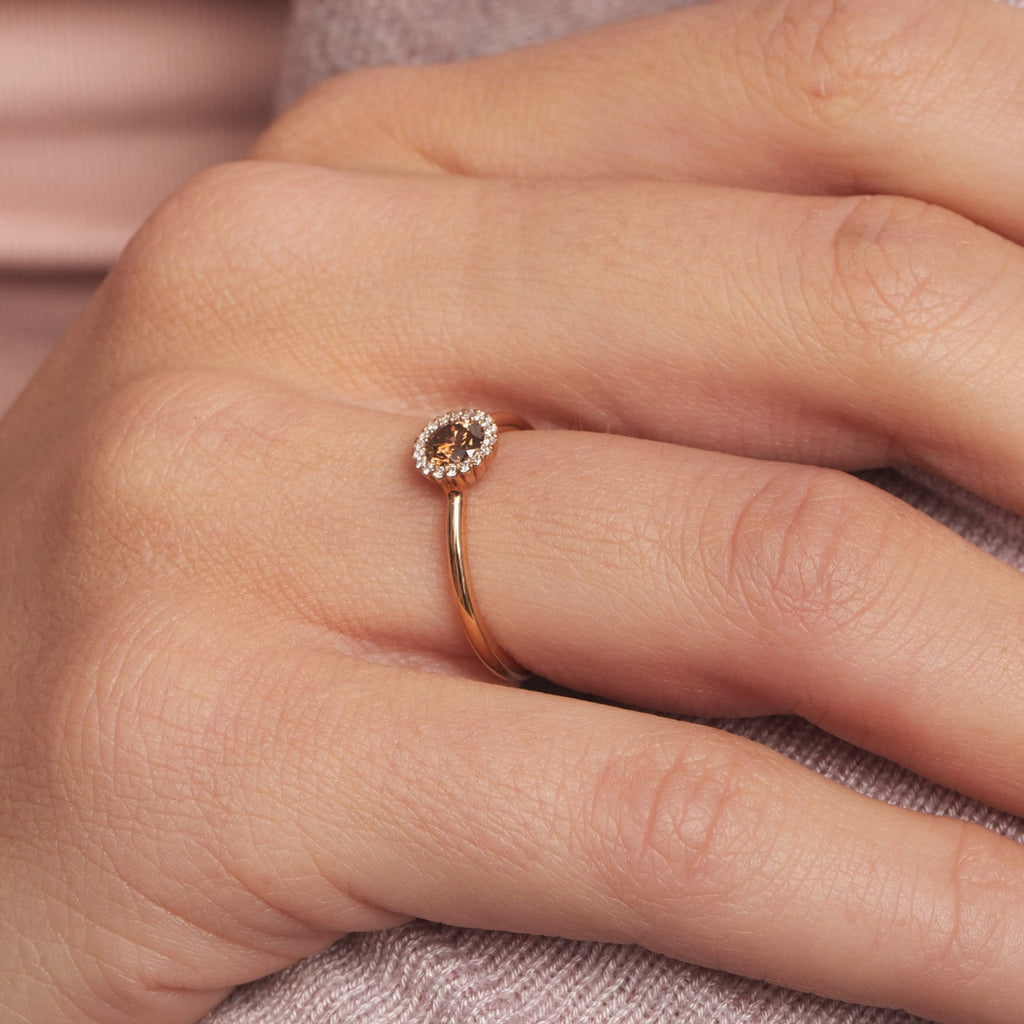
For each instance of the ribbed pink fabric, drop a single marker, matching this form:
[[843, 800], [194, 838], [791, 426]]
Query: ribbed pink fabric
[[428, 974], [105, 106]]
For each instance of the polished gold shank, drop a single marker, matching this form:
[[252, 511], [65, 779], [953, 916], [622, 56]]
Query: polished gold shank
[[487, 649]]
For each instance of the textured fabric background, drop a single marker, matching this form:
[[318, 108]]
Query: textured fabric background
[[328, 36], [105, 107], [429, 974]]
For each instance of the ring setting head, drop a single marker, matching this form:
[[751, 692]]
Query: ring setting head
[[455, 447]]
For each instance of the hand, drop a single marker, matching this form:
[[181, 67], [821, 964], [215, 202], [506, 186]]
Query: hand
[[240, 716]]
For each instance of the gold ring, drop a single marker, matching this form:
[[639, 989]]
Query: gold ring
[[455, 450]]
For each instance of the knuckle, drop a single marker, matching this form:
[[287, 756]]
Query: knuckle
[[349, 101], [205, 260], [673, 827], [355, 120], [970, 939], [200, 218], [161, 485], [116, 478], [210, 274], [147, 451], [904, 275], [827, 60], [811, 550]]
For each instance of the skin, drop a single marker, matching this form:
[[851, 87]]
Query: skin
[[239, 718]]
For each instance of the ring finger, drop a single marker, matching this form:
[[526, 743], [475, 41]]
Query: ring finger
[[646, 572]]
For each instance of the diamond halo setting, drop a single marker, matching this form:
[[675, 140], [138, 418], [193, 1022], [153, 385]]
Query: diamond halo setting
[[455, 446], [454, 450]]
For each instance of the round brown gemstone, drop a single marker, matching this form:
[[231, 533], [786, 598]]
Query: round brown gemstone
[[453, 443]]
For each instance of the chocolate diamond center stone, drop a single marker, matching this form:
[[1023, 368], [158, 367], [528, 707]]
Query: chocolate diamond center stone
[[452, 444]]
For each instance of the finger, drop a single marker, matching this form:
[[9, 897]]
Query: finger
[[645, 572], [488, 807], [852, 333], [917, 98]]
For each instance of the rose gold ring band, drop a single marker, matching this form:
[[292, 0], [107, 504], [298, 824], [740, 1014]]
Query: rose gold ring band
[[455, 450]]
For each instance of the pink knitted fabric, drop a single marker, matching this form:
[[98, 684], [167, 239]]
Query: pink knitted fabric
[[428, 974]]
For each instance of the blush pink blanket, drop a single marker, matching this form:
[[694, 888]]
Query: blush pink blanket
[[429, 974]]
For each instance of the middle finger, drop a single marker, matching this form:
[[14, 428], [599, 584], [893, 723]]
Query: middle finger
[[847, 332]]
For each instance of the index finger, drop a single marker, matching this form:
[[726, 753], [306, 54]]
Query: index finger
[[917, 98]]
